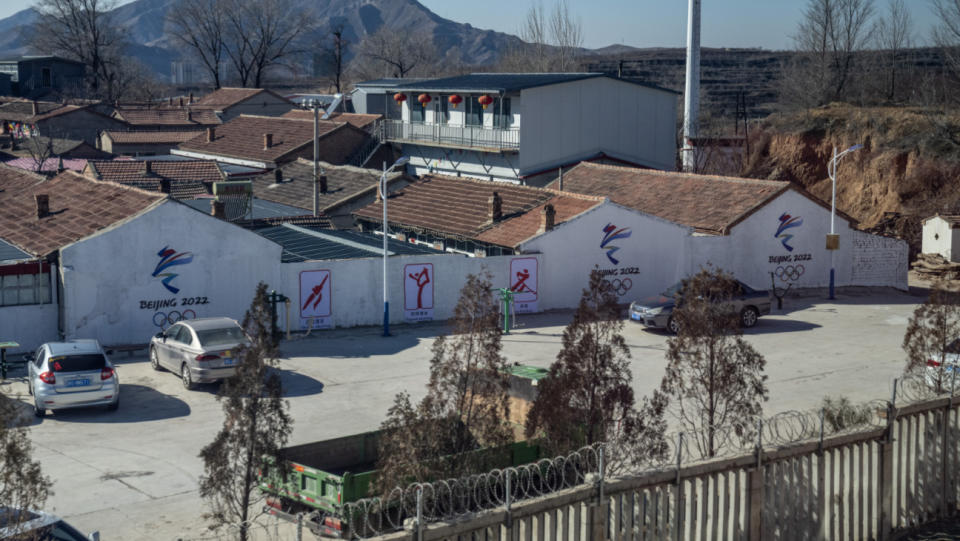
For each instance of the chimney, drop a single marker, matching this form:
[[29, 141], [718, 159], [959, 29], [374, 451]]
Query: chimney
[[43, 205], [278, 175], [34, 110], [147, 168], [181, 101], [547, 218], [267, 141], [496, 207], [60, 167], [189, 116], [691, 93], [210, 135], [164, 185], [323, 184], [217, 209], [191, 97]]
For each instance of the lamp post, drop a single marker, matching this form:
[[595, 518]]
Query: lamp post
[[832, 172], [383, 197], [316, 154]]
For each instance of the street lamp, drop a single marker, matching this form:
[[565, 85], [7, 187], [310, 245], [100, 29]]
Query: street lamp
[[832, 172], [383, 197]]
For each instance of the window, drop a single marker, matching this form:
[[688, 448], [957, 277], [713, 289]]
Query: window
[[78, 362], [443, 110], [506, 119], [21, 284], [221, 337], [416, 112], [45, 77], [474, 112]]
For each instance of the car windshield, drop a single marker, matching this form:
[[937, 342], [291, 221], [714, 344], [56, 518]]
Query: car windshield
[[78, 363], [220, 337]]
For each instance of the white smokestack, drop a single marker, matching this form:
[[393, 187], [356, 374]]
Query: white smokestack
[[691, 97]]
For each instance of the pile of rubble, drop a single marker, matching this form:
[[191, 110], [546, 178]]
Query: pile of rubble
[[934, 267]]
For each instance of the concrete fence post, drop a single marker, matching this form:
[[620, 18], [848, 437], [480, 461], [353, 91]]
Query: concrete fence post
[[597, 521], [756, 495], [678, 498], [945, 454], [886, 469]]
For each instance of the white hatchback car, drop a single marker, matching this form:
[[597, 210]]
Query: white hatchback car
[[71, 374]]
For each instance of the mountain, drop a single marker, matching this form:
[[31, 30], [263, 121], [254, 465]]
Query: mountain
[[152, 43]]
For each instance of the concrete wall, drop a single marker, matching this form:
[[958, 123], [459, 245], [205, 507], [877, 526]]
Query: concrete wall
[[358, 294], [879, 261], [84, 125], [624, 120], [31, 324], [652, 257], [110, 293], [143, 149], [938, 238], [264, 104]]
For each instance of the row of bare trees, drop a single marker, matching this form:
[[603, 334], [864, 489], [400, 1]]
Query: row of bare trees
[[552, 41]]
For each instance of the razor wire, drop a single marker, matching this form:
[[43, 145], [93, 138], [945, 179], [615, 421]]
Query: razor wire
[[451, 499]]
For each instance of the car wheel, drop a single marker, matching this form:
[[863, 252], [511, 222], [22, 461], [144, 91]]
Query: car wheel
[[114, 405], [185, 377], [37, 409], [749, 317], [672, 326], [154, 359]]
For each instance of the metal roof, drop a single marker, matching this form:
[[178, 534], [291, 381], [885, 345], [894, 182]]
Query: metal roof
[[261, 208], [388, 82], [11, 254], [507, 82], [311, 244]]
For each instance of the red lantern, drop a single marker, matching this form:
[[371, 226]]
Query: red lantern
[[485, 100], [399, 98], [424, 99], [455, 100]]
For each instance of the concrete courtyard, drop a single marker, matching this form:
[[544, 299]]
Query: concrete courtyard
[[132, 474]]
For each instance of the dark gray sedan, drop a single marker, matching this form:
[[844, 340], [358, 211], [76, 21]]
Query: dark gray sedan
[[199, 350], [657, 312]]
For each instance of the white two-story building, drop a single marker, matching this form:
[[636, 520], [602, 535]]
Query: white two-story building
[[525, 126]]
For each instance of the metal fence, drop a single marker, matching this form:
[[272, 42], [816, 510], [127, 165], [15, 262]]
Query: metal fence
[[456, 136], [799, 476]]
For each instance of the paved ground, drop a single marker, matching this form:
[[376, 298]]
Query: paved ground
[[132, 474]]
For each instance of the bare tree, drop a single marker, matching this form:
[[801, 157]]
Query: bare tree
[[567, 35], [256, 425], [40, 149], [332, 57], [200, 26], [260, 34], [587, 397], [932, 334], [534, 32], [946, 34], [714, 377], [400, 52], [893, 34], [466, 406], [22, 483], [82, 30]]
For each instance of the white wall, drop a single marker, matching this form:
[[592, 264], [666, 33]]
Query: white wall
[[581, 118], [651, 258], [938, 238], [468, 163], [29, 325], [108, 285], [357, 290], [879, 261]]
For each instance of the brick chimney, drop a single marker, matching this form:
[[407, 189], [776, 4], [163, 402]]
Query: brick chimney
[[217, 209], [43, 205], [278, 175], [191, 97], [496, 207], [267, 141], [323, 184], [34, 109], [211, 135], [548, 218], [164, 185], [147, 168]]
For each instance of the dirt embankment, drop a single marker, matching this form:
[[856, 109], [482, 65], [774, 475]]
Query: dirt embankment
[[910, 163]]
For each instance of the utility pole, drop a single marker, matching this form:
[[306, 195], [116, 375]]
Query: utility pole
[[316, 158]]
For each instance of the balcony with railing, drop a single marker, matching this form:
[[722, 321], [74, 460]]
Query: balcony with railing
[[444, 135]]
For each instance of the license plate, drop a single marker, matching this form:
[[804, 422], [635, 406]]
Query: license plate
[[228, 362], [78, 382]]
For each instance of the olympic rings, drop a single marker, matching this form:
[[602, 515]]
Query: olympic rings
[[174, 316], [618, 286], [790, 273]]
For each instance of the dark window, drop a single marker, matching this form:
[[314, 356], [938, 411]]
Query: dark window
[[45, 77], [416, 112], [77, 363], [474, 112], [183, 336], [506, 119], [220, 337], [444, 107]]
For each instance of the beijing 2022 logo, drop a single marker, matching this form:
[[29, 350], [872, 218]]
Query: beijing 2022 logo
[[170, 258], [787, 222], [610, 234]]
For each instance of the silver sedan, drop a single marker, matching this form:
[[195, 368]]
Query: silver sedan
[[199, 350], [71, 375]]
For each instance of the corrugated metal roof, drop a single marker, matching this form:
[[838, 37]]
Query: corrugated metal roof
[[506, 82], [302, 243], [261, 208], [10, 253], [389, 82]]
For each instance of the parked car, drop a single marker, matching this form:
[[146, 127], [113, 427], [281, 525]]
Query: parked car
[[16, 524], [657, 312], [200, 350], [72, 374]]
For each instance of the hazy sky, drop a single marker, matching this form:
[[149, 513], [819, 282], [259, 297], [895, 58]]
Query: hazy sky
[[644, 23]]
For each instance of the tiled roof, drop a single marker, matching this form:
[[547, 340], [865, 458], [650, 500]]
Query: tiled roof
[[223, 98], [952, 219], [359, 120], [22, 111], [460, 208], [710, 204], [187, 178], [168, 117], [147, 137], [49, 165], [343, 182], [79, 207], [243, 137]]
